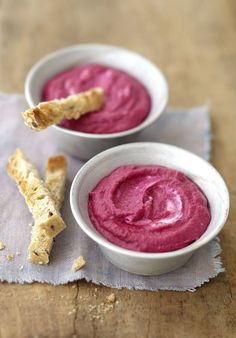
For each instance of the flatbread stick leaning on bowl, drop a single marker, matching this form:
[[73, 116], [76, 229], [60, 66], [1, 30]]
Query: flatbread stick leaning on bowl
[[52, 112], [84, 144]]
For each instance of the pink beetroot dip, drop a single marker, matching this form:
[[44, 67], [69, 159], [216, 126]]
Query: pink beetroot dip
[[148, 209], [127, 100]]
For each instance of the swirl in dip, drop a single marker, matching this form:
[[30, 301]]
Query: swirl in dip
[[148, 209], [127, 102]]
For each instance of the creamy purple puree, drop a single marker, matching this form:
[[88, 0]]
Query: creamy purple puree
[[127, 100], [148, 209]]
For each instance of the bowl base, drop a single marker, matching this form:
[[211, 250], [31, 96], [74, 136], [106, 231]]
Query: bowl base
[[146, 268]]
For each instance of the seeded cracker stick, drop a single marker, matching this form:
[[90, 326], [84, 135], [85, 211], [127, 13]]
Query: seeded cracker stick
[[41, 244], [36, 194], [55, 178], [72, 107]]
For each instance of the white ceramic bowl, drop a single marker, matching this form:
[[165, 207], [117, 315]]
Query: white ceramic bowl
[[85, 145], [199, 170]]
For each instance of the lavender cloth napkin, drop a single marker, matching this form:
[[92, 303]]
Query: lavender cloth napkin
[[188, 128]]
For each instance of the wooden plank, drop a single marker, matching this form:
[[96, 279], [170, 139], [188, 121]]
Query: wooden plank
[[194, 43]]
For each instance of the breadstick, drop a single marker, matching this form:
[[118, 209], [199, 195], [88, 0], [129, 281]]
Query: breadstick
[[72, 107], [41, 244], [78, 264], [36, 194], [55, 178]]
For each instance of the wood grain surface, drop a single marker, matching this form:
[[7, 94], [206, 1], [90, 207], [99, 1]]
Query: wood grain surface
[[193, 41]]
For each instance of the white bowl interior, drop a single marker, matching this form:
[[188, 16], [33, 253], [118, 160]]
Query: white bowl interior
[[200, 171], [130, 62]]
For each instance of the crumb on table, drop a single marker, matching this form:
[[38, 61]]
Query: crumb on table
[[72, 311], [111, 298], [78, 264], [98, 311]]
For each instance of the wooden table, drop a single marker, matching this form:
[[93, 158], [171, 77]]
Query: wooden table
[[193, 41]]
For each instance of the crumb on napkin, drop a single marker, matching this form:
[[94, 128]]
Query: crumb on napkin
[[2, 246], [9, 257], [78, 264]]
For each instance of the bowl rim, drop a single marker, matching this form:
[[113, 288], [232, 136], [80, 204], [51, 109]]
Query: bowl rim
[[41, 62], [119, 250]]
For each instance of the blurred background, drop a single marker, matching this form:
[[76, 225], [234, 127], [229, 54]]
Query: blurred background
[[191, 40]]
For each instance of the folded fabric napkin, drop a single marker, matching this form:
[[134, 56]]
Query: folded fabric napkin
[[187, 128]]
